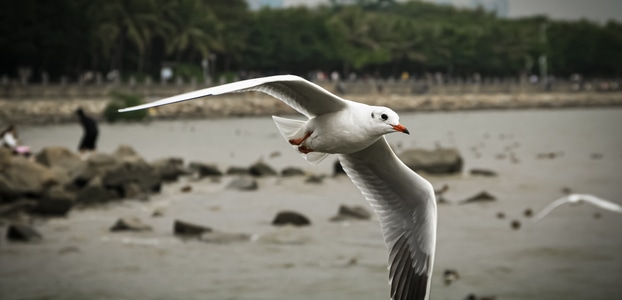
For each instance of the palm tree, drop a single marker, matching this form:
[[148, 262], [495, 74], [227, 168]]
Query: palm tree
[[120, 21], [196, 28]]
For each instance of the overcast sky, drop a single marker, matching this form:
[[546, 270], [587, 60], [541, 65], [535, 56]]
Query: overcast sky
[[596, 10]]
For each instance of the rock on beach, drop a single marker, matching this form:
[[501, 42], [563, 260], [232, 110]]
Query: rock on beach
[[130, 224], [189, 229], [439, 161], [57, 179], [22, 233], [290, 218], [355, 212]]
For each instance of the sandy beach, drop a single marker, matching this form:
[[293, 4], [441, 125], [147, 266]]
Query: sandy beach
[[571, 254]]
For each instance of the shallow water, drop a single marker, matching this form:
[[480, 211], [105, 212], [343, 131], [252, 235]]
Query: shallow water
[[569, 255]]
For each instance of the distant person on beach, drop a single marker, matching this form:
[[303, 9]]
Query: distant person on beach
[[9, 139], [89, 139]]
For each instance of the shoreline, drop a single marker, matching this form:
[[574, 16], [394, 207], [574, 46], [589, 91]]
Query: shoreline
[[50, 111]]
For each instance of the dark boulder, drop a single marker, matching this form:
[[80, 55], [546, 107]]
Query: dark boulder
[[118, 171], [60, 158], [354, 212], [96, 165], [169, 169], [21, 177], [483, 172], [291, 171], [130, 224], [17, 207], [315, 179], [22, 233], [439, 161], [238, 171], [132, 169], [290, 218], [205, 170], [56, 201], [187, 229], [95, 192], [261, 169]]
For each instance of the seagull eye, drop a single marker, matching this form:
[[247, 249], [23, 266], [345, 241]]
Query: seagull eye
[[384, 116]]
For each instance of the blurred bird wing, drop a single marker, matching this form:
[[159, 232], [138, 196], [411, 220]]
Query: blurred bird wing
[[405, 205], [304, 96], [602, 203], [551, 207]]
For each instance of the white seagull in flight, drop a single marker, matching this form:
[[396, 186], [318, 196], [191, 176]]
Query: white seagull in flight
[[403, 200], [576, 199]]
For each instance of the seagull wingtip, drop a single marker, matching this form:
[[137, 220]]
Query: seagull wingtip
[[127, 109]]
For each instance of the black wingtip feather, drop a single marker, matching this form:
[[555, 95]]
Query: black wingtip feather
[[406, 283]]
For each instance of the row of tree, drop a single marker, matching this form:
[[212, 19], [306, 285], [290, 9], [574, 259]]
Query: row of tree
[[383, 37]]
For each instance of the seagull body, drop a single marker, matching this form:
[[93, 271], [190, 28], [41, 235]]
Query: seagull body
[[576, 199], [403, 200]]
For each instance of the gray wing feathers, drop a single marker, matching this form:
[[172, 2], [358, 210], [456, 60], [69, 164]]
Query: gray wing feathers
[[404, 203], [304, 96], [406, 282]]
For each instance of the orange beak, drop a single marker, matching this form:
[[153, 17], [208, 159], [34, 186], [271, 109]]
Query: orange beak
[[400, 128]]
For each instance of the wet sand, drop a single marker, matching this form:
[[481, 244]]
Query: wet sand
[[569, 255]]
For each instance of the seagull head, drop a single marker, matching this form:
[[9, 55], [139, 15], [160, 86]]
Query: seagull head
[[386, 120]]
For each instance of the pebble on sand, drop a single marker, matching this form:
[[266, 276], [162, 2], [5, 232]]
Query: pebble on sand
[[483, 172], [355, 212], [22, 233], [450, 276], [186, 189], [290, 218], [189, 229], [315, 179], [480, 197], [130, 224]]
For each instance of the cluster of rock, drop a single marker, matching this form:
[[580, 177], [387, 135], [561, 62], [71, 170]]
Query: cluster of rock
[[56, 179], [192, 231]]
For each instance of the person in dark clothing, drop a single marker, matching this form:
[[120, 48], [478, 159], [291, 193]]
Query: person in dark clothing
[[89, 139]]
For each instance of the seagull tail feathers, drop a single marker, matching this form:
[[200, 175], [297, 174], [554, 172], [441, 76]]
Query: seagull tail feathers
[[288, 129]]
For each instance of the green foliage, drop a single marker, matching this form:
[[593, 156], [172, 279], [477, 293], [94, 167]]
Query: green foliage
[[121, 100], [188, 72], [370, 36]]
